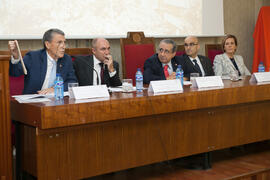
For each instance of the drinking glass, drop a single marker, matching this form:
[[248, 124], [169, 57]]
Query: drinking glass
[[234, 76], [193, 76], [70, 86], [127, 85]]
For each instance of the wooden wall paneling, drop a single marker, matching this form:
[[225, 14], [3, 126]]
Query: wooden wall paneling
[[5, 122]]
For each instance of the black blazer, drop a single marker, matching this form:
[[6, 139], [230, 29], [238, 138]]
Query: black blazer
[[189, 67], [153, 69], [84, 67]]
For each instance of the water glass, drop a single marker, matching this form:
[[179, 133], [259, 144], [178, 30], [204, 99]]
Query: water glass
[[70, 86], [193, 76], [234, 76], [127, 85]]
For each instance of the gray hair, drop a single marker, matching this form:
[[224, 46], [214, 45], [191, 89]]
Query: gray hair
[[94, 42], [48, 35], [169, 41]]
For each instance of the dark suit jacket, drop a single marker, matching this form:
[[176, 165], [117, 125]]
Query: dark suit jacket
[[189, 67], [84, 67], [153, 69], [36, 65]]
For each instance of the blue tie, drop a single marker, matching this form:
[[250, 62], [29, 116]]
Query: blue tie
[[52, 75]]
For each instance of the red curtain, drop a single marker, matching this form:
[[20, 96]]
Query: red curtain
[[261, 37]]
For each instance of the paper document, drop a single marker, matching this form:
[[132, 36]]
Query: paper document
[[31, 98]]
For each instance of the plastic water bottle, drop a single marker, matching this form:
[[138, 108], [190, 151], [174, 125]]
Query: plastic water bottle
[[179, 74], [139, 80], [59, 87], [261, 67]]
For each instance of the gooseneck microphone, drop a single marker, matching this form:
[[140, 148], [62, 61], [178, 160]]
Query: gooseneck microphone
[[96, 75], [92, 68]]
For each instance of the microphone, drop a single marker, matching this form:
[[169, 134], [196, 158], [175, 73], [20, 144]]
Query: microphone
[[92, 68], [96, 75]]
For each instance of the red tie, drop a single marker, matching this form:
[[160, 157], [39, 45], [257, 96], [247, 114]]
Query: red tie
[[166, 71]]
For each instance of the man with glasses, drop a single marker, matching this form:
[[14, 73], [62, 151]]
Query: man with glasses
[[42, 65], [161, 66], [194, 63]]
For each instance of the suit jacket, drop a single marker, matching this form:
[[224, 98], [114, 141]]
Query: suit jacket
[[84, 67], [153, 69], [189, 67], [223, 66], [36, 65]]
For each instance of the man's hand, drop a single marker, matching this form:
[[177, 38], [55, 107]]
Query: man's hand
[[109, 62], [13, 49], [46, 91], [170, 77]]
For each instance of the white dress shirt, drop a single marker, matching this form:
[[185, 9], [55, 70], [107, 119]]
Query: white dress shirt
[[98, 69], [49, 70], [199, 63]]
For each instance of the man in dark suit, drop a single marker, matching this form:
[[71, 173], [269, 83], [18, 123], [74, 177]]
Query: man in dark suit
[[98, 68], [161, 66], [194, 63], [42, 65]]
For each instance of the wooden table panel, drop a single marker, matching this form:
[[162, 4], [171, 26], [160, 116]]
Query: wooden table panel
[[73, 141]]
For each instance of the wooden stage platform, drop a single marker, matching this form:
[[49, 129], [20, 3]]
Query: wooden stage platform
[[249, 162]]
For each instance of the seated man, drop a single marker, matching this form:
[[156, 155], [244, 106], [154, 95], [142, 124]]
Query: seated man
[[194, 63], [161, 66], [42, 65], [98, 68]]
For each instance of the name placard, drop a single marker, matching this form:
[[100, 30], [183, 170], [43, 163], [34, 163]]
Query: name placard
[[164, 86], [84, 92], [208, 82], [260, 77]]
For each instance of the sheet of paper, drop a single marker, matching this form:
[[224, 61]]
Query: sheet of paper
[[31, 98], [187, 83], [119, 89], [164, 86], [84, 92]]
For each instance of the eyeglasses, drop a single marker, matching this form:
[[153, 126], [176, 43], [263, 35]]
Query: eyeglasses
[[165, 51], [190, 44]]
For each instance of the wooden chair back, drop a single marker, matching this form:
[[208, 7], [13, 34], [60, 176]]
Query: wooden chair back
[[16, 84], [211, 50], [180, 50], [135, 49]]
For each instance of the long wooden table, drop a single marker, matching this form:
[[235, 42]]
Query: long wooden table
[[71, 140]]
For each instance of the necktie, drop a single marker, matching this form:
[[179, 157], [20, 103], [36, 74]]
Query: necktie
[[166, 71], [197, 67], [101, 73], [52, 75]]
